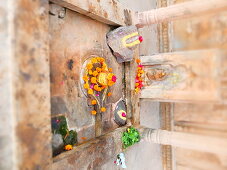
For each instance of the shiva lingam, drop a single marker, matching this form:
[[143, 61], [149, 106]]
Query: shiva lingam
[[97, 80]]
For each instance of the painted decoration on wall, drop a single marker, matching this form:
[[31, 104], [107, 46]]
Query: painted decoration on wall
[[120, 115], [123, 41], [97, 78]]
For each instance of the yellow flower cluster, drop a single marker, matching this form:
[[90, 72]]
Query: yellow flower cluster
[[98, 77]]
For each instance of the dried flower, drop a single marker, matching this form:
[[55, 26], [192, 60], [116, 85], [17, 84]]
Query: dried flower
[[68, 147]]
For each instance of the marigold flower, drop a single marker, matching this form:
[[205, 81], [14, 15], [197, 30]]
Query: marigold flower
[[110, 69], [93, 102], [94, 60], [93, 80], [89, 66], [138, 61], [139, 75], [137, 84], [103, 87], [95, 73], [86, 86], [110, 75], [137, 90], [101, 59], [85, 78], [109, 94], [110, 83], [98, 59], [90, 91], [103, 109], [98, 69], [90, 72], [68, 147], [93, 112], [97, 88], [141, 71]]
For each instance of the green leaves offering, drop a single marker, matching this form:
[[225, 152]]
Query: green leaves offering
[[71, 138], [130, 137], [59, 126]]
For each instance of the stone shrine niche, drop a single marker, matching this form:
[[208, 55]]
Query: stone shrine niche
[[72, 44]]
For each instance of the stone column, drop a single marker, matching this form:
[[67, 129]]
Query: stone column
[[202, 143], [179, 11]]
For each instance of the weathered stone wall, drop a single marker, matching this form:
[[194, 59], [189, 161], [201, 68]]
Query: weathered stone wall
[[24, 83]]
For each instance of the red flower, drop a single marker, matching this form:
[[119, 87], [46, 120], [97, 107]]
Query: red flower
[[140, 38], [114, 78]]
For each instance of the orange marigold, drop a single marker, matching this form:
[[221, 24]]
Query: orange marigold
[[103, 109], [89, 66], [86, 86], [109, 94], [101, 59], [138, 61], [93, 80], [95, 73], [110, 70], [98, 69], [68, 147], [90, 72], [96, 87], [110, 83], [137, 84], [110, 75], [94, 60], [85, 78], [93, 102], [141, 71], [93, 112], [90, 91], [137, 89]]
